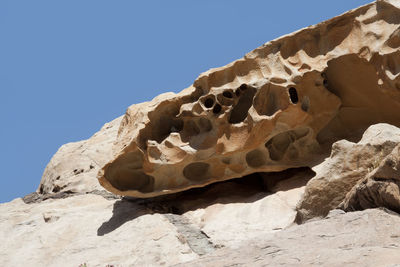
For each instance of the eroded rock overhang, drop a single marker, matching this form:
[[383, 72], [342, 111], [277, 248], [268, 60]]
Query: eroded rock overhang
[[279, 107]]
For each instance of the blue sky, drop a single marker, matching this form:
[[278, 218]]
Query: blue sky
[[68, 67]]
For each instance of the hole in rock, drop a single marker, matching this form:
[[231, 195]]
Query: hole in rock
[[227, 94], [279, 144], [208, 103], [125, 173], [294, 98], [240, 110], [217, 109], [161, 120], [177, 125], [197, 171], [205, 124], [130, 179], [243, 87], [165, 126], [56, 189], [190, 129], [255, 158], [269, 99]]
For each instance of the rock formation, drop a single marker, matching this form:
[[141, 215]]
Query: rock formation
[[304, 127], [74, 165], [349, 166], [380, 188], [279, 107], [340, 239]]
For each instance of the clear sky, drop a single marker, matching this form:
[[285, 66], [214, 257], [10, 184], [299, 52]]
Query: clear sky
[[67, 67]]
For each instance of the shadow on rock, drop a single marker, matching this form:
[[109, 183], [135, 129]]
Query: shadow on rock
[[123, 211], [247, 189]]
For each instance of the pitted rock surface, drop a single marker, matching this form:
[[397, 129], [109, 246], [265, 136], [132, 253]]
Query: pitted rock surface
[[280, 106]]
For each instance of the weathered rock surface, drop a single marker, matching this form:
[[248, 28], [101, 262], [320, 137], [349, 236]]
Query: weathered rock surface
[[91, 229], [68, 232], [279, 107], [348, 164], [381, 187], [267, 118], [74, 165], [366, 238]]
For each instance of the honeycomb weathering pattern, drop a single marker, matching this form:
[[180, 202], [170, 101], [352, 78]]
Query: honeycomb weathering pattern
[[281, 106]]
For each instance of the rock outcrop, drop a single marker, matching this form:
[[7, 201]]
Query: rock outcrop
[[380, 188], [367, 238], [220, 173], [74, 165], [348, 165], [279, 107], [88, 228]]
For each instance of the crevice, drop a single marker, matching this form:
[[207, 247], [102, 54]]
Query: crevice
[[240, 110], [294, 98], [35, 197], [196, 239]]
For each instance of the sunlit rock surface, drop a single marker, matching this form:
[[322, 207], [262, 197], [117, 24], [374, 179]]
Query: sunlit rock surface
[[271, 119], [280, 106], [348, 168]]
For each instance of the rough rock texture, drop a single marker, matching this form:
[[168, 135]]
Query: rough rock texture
[[348, 164], [91, 229], [366, 238], [67, 232], [74, 165], [279, 107], [267, 118], [381, 188]]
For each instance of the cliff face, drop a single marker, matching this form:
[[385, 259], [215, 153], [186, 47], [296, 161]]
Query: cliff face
[[225, 172], [281, 106]]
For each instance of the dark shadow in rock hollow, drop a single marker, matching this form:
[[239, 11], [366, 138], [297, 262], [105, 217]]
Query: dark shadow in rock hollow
[[247, 189]]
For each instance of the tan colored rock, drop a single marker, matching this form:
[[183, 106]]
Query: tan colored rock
[[279, 107], [165, 231], [348, 164], [381, 187], [83, 229], [367, 238], [233, 212], [75, 165]]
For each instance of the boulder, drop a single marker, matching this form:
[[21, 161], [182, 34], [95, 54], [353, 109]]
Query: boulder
[[349, 164], [380, 188]]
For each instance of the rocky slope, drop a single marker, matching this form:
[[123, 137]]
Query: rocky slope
[[366, 238], [274, 159]]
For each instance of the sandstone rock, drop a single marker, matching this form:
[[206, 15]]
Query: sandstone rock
[[91, 229], [78, 229], [265, 118], [381, 188], [279, 107], [75, 165], [366, 238], [347, 165]]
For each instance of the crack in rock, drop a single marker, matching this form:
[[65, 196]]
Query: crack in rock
[[197, 240], [37, 198]]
